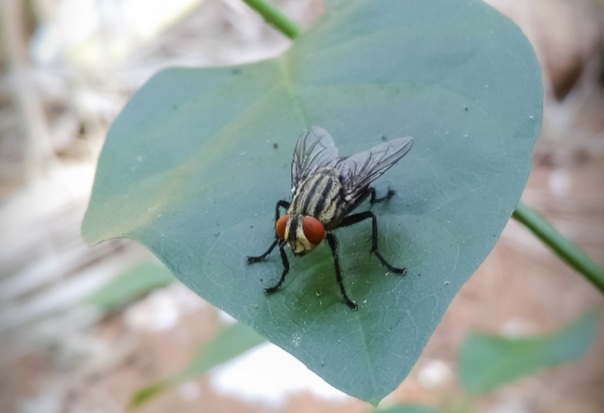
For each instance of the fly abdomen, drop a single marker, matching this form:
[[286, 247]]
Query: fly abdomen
[[320, 196]]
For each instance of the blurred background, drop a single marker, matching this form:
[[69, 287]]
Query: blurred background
[[83, 329]]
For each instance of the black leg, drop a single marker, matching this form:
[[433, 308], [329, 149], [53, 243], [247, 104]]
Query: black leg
[[361, 216], [374, 200], [283, 204], [263, 256], [285, 262], [280, 204], [333, 244]]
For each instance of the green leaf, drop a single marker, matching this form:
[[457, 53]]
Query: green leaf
[[147, 393], [487, 361], [193, 166], [229, 343], [131, 285]]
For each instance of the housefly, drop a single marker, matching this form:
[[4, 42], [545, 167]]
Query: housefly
[[325, 190]]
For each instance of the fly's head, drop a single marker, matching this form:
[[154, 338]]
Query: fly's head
[[302, 233]]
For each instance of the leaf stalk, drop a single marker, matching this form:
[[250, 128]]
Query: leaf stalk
[[567, 250], [275, 18]]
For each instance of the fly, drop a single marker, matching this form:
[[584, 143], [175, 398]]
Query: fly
[[325, 190]]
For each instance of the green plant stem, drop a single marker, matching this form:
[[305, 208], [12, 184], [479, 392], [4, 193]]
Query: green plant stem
[[568, 251], [275, 18]]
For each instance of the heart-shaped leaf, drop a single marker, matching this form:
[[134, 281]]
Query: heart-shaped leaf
[[194, 164]]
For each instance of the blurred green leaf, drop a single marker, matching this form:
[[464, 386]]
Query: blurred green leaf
[[230, 342], [487, 361], [194, 164], [145, 394], [131, 285]]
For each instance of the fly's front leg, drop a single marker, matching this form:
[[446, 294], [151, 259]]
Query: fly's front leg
[[361, 216], [257, 258], [285, 205], [280, 204], [285, 263], [333, 244]]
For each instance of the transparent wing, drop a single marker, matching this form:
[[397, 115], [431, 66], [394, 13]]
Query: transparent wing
[[315, 149], [361, 169]]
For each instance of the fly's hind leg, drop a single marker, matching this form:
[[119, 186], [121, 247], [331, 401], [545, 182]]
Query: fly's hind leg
[[373, 199], [361, 216]]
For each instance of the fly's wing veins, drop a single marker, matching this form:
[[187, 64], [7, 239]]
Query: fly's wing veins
[[361, 169], [315, 149]]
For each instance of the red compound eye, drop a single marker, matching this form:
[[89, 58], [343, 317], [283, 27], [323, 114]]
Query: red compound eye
[[280, 226], [314, 231]]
